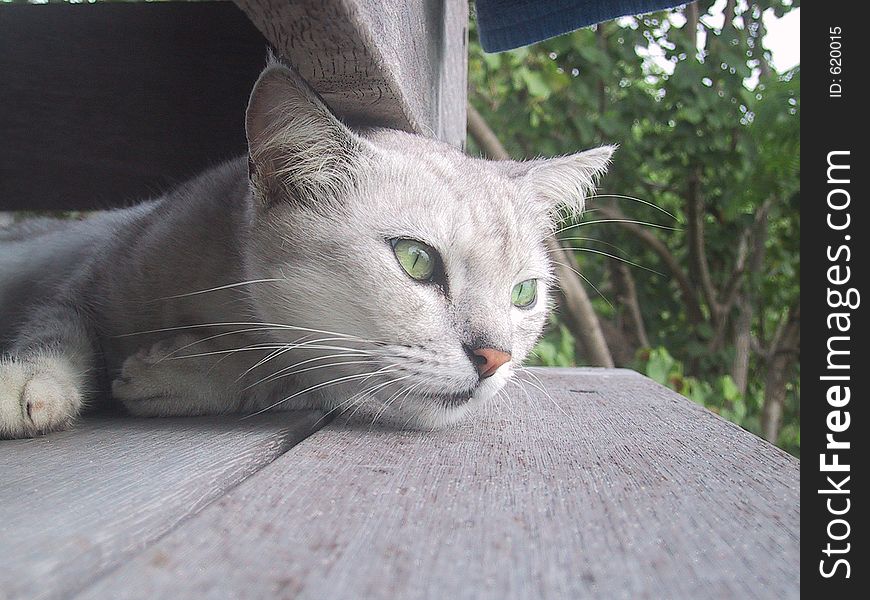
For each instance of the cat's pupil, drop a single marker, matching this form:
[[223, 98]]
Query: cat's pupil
[[525, 293], [418, 260]]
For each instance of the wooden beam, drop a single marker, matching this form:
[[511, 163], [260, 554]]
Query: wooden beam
[[76, 504], [605, 485], [393, 64]]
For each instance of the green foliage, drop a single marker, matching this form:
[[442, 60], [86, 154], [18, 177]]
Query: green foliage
[[719, 394], [556, 348], [709, 113]]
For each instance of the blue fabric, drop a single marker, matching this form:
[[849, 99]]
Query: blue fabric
[[507, 24]]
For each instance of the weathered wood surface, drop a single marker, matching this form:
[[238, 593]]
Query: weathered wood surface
[[74, 505], [614, 487], [393, 64]]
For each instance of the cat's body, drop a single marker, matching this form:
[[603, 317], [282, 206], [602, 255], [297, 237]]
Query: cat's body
[[235, 293], [113, 259]]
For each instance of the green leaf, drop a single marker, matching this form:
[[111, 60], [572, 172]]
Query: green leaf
[[659, 366], [535, 83]]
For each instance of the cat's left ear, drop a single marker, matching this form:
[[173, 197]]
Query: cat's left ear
[[566, 181], [298, 150]]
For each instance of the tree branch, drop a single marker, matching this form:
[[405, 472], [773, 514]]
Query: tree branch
[[783, 350], [692, 19], [697, 246], [729, 295], [757, 234], [626, 291], [484, 135], [581, 314], [729, 14], [687, 290]]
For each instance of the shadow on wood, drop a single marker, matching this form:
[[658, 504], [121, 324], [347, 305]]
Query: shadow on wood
[[111, 103], [107, 104]]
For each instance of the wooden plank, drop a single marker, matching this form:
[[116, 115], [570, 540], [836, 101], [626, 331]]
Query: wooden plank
[[613, 487], [105, 104], [392, 64], [74, 505]]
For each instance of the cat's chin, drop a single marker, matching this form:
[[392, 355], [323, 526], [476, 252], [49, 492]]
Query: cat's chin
[[426, 412], [447, 410]]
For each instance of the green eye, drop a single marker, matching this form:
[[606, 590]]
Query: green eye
[[525, 293], [417, 259]]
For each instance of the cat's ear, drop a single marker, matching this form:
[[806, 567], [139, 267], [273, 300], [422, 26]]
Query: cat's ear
[[297, 148], [564, 182]]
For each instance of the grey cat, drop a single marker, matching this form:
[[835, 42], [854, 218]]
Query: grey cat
[[367, 270]]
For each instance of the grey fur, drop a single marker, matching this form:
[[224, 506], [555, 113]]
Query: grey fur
[[152, 298]]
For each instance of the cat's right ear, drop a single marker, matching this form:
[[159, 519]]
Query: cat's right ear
[[564, 182], [298, 150]]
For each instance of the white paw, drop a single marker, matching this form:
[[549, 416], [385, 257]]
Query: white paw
[[139, 379], [37, 396], [146, 384]]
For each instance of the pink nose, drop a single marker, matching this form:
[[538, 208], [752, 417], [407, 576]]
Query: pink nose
[[488, 360]]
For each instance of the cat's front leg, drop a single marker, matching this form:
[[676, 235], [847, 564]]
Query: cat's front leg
[[178, 376]]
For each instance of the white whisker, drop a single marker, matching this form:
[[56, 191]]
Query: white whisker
[[216, 289], [372, 391], [404, 394], [590, 239], [623, 197], [206, 339], [312, 368], [613, 256], [318, 386], [278, 352], [519, 383], [583, 277], [266, 326], [542, 388], [408, 393], [278, 374], [266, 347], [597, 221]]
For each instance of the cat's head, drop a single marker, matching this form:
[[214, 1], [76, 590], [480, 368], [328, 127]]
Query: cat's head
[[418, 276]]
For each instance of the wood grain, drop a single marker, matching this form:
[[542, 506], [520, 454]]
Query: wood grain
[[391, 64], [75, 504], [612, 487]]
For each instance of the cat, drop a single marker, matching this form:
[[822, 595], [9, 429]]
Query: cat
[[338, 268]]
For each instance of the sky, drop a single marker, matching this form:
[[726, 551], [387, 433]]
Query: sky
[[783, 39]]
